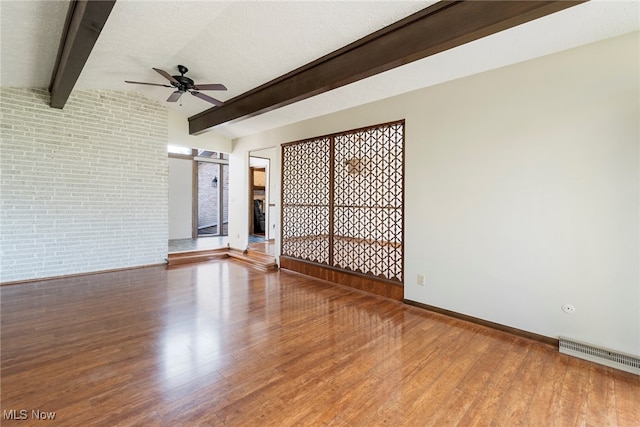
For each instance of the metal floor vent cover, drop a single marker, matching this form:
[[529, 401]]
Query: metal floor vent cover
[[603, 356]]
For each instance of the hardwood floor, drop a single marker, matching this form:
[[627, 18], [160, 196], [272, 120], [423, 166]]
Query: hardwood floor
[[224, 344], [268, 247]]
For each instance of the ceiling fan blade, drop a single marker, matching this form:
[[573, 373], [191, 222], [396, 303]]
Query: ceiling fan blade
[[174, 96], [150, 84], [214, 86], [166, 75], [207, 98]]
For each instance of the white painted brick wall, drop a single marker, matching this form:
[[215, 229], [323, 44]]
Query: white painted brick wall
[[84, 188]]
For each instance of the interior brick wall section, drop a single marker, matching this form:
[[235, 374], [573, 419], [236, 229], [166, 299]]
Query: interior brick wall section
[[207, 194], [84, 188]]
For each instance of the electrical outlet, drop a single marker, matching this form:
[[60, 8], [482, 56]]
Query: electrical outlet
[[421, 279]]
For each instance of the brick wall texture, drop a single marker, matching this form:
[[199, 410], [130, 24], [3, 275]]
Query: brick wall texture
[[84, 188], [208, 196]]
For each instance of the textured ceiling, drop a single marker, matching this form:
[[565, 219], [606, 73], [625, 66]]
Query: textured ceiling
[[29, 39], [244, 44]]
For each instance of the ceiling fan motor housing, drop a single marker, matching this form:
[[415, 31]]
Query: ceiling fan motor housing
[[184, 83]]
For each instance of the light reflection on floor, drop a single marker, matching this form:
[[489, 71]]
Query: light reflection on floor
[[192, 347]]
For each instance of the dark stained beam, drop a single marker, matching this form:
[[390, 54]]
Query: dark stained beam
[[442, 26], [85, 20]]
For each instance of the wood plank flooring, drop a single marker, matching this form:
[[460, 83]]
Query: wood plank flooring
[[223, 344]]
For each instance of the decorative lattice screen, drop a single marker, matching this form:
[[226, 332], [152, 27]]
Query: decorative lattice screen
[[306, 200], [343, 200]]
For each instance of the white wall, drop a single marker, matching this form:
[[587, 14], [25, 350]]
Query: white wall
[[522, 191], [84, 188], [180, 198], [179, 135]]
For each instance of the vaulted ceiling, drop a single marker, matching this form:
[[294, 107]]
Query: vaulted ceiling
[[244, 44]]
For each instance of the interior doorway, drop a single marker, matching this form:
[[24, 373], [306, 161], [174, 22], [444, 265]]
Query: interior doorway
[[212, 210], [198, 199], [258, 191], [261, 236]]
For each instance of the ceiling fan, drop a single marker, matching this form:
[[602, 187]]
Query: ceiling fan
[[184, 84]]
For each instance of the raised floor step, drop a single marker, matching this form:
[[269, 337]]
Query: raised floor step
[[188, 257], [257, 259]]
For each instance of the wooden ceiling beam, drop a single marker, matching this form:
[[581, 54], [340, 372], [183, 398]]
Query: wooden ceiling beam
[[85, 20], [442, 26]]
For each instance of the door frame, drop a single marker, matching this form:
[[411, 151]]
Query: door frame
[[265, 205]]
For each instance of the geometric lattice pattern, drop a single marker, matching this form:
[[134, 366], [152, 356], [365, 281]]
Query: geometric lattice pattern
[[306, 200], [343, 200], [368, 201]]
